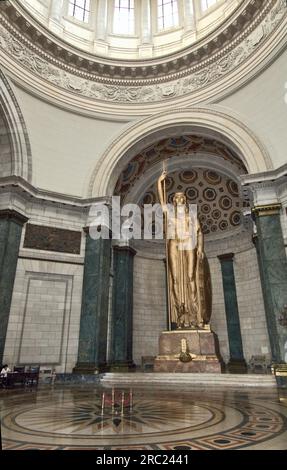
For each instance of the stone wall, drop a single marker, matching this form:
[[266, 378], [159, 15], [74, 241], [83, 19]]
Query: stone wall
[[250, 304], [149, 312], [45, 315], [44, 319], [65, 154], [218, 317]]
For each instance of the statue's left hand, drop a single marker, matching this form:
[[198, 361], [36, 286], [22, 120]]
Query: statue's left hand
[[200, 255]]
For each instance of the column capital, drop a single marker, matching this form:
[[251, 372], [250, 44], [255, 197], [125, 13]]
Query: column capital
[[86, 229], [11, 214], [226, 257], [267, 209], [126, 248]]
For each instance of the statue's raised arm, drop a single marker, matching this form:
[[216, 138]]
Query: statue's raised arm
[[161, 190]]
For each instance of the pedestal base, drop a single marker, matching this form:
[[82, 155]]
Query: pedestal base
[[201, 346]]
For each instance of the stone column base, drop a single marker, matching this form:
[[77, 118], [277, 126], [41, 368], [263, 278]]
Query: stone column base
[[126, 366], [84, 368], [202, 352], [280, 372], [237, 366]]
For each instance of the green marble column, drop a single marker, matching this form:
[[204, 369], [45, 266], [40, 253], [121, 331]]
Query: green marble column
[[95, 300], [237, 362], [11, 223], [169, 327], [122, 309], [273, 271]]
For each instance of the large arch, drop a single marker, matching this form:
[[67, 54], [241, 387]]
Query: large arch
[[15, 129], [205, 120]]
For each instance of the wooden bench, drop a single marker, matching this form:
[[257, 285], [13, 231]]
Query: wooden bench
[[24, 379]]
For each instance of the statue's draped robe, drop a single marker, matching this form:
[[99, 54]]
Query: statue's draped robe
[[189, 310]]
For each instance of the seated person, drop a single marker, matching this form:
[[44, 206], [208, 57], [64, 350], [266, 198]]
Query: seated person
[[5, 370]]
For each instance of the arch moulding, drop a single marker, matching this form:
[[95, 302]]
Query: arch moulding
[[18, 135], [208, 121]]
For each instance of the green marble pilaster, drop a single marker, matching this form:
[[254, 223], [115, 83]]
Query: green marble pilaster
[[94, 314], [273, 271], [237, 362], [11, 223], [122, 309]]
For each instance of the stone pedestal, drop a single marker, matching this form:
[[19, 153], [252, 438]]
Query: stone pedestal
[[201, 343]]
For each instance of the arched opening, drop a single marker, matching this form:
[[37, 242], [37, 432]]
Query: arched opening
[[15, 156], [206, 165], [6, 158], [211, 122]]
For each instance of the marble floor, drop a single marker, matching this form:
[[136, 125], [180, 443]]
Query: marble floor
[[95, 417]]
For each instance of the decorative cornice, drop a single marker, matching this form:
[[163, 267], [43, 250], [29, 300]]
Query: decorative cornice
[[272, 180], [266, 178], [269, 209], [18, 185], [136, 83], [14, 216]]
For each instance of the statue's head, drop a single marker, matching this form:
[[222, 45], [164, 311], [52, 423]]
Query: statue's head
[[179, 199]]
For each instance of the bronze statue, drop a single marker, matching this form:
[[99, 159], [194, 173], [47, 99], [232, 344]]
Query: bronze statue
[[188, 275]]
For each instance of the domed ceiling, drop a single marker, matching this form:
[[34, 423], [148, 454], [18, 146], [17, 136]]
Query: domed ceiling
[[217, 198], [131, 29], [67, 51]]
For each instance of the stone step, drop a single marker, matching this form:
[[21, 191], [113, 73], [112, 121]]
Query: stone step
[[149, 378]]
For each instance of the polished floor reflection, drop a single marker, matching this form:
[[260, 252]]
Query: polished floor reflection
[[74, 417]]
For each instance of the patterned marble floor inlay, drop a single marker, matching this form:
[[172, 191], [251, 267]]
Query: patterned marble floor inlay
[[90, 417]]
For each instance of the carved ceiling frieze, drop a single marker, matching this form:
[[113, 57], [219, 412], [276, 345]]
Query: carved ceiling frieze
[[179, 77], [33, 34]]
